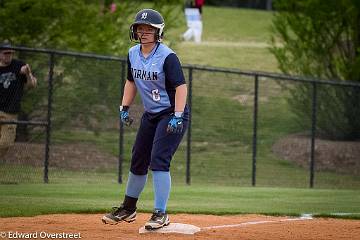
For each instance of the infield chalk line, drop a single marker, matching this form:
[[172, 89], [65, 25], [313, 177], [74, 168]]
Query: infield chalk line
[[302, 218], [191, 229]]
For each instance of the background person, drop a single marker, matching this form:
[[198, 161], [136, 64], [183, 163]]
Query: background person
[[193, 21], [199, 4], [15, 75]]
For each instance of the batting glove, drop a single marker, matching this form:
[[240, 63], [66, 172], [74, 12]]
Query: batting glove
[[124, 115], [176, 123]]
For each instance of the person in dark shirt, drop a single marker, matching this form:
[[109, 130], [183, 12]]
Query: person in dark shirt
[[15, 75]]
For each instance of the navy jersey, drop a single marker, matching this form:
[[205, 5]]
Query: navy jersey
[[155, 77]]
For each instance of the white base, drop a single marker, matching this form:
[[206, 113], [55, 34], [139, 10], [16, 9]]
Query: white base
[[173, 228]]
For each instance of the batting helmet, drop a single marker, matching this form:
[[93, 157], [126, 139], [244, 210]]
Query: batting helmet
[[148, 17]]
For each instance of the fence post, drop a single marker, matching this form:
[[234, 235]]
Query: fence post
[[188, 147], [254, 144], [313, 133], [49, 110], [121, 130]]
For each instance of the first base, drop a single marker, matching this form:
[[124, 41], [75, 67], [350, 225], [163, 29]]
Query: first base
[[173, 228]]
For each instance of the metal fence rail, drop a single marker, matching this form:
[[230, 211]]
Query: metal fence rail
[[257, 75], [57, 65]]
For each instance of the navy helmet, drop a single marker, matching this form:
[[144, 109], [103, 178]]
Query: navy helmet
[[148, 17]]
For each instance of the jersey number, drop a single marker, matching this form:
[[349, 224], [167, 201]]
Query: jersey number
[[155, 95]]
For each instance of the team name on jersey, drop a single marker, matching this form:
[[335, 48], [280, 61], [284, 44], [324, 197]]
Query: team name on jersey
[[144, 75]]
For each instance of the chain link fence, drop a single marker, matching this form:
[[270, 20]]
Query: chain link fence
[[243, 130]]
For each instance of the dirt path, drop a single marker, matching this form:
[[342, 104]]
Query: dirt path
[[232, 44], [89, 226], [243, 44]]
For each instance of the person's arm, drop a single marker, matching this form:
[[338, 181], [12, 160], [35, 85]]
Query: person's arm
[[175, 124], [175, 76], [180, 98], [31, 81], [129, 93], [128, 98], [129, 88]]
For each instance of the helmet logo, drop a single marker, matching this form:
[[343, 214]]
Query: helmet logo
[[144, 15]]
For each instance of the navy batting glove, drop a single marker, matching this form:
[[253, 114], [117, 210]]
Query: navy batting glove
[[124, 115], [176, 123]]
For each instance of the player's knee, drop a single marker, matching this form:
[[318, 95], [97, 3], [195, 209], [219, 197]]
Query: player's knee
[[8, 136], [138, 171], [164, 167], [154, 169]]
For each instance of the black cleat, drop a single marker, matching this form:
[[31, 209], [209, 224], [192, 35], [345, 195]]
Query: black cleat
[[157, 220], [119, 214]]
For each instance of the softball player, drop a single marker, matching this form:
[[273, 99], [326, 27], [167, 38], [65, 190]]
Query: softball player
[[155, 72]]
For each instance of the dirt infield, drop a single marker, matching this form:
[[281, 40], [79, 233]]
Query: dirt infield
[[89, 226]]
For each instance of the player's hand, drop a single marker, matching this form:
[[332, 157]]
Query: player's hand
[[124, 115], [25, 70], [175, 124]]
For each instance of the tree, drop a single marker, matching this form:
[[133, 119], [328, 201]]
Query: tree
[[82, 88], [321, 39], [78, 25]]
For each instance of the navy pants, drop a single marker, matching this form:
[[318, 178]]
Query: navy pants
[[154, 147]]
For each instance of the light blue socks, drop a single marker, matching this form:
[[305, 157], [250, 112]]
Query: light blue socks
[[162, 186], [135, 185]]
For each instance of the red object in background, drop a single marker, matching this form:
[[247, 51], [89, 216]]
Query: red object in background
[[112, 7], [199, 3]]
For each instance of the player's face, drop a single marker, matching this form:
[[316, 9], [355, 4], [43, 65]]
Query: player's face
[[146, 33], [6, 56]]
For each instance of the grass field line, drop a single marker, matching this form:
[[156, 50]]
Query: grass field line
[[240, 44], [302, 218], [343, 214]]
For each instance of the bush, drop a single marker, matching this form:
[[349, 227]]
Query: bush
[[321, 39]]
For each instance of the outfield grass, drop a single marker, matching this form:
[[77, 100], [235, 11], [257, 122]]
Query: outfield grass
[[221, 148], [35, 199], [232, 25], [222, 135], [233, 38]]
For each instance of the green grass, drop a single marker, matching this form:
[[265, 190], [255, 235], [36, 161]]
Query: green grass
[[229, 57], [221, 148], [232, 25], [98, 198], [233, 38]]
